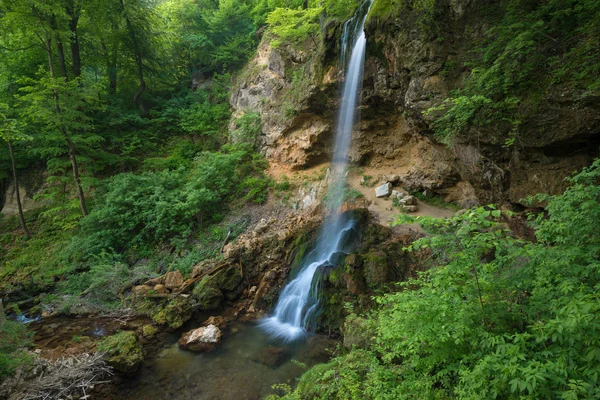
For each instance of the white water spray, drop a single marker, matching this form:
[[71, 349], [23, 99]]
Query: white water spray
[[299, 299]]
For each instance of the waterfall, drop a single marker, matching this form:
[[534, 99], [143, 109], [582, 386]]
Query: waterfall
[[299, 299]]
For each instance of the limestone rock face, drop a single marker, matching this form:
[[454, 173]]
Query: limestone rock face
[[202, 339], [295, 89]]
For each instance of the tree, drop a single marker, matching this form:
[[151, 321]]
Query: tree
[[10, 133]]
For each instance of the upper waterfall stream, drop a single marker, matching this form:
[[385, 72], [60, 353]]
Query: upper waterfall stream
[[299, 299]]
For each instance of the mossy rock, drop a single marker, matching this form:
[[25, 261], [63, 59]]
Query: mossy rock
[[207, 294], [174, 313], [122, 351], [375, 267], [149, 330], [230, 281], [358, 332]]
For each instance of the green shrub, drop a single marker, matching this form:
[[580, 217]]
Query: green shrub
[[494, 317], [14, 339]]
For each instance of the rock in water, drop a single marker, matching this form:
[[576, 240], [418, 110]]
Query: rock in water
[[272, 356], [383, 190], [201, 339]]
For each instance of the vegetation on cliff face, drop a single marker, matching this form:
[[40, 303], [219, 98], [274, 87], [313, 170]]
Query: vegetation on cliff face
[[496, 316], [529, 50]]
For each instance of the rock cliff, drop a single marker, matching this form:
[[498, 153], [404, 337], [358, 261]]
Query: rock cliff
[[407, 72]]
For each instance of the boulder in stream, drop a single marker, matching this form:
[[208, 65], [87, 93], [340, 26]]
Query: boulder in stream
[[205, 338]]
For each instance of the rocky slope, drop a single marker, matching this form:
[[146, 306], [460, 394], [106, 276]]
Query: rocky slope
[[296, 89]]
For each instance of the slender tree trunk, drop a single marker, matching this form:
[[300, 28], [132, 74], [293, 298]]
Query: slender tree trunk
[[110, 57], [305, 4], [137, 98], [75, 53], [76, 177], [2, 315], [61, 57], [19, 205], [74, 13], [59, 47], [62, 130]]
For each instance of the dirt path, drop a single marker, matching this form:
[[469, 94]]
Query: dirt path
[[382, 208]]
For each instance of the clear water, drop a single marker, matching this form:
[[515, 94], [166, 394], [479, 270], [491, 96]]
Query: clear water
[[244, 366], [299, 300]]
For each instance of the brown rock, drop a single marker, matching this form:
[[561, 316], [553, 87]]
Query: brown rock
[[217, 321], [173, 279], [161, 289], [141, 290], [272, 356]]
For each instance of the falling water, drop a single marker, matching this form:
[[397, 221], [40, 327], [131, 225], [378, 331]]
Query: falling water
[[299, 299]]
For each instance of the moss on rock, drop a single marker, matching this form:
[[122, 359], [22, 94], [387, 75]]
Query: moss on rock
[[229, 281], [174, 313], [207, 294], [122, 351]]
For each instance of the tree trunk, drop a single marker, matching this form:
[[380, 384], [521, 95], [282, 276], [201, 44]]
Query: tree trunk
[[2, 315], [80, 194], [74, 12], [75, 54], [137, 98], [19, 205], [59, 48], [305, 4], [110, 57], [64, 133], [61, 57]]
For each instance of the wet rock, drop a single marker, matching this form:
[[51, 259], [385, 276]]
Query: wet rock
[[173, 279], [272, 356], [202, 339], [376, 270], [217, 321], [207, 294], [383, 190], [320, 348]]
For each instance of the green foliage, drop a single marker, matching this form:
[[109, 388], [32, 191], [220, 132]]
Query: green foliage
[[155, 208], [293, 25], [494, 317], [248, 129], [529, 49], [14, 339]]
